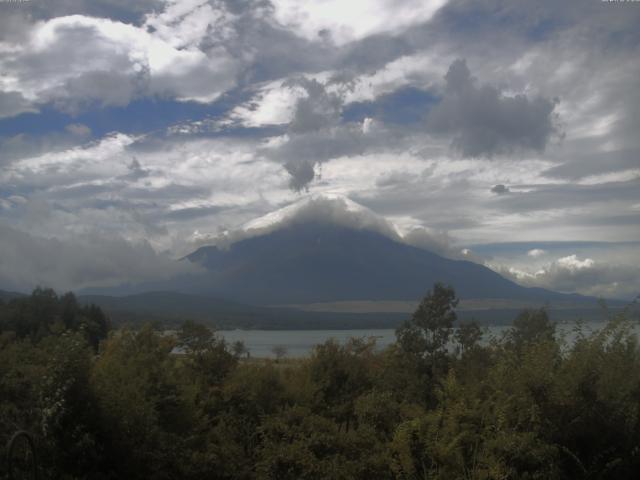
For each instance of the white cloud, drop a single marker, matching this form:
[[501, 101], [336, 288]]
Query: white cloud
[[76, 60], [572, 274], [92, 159], [339, 210], [423, 69], [348, 21], [273, 104], [574, 264], [330, 208], [185, 23], [439, 242], [536, 252]]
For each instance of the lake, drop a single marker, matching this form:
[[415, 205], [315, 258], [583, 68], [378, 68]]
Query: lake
[[300, 343]]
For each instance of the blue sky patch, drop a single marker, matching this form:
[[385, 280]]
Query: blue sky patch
[[140, 116], [405, 106]]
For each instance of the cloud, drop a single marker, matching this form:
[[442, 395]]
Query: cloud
[[316, 132], [121, 10], [13, 103], [297, 96], [77, 61], [394, 178], [601, 196], [536, 252], [78, 129], [485, 122], [355, 20], [338, 210], [500, 189], [273, 104], [326, 208], [300, 153], [151, 189], [585, 164], [302, 173], [27, 261], [16, 147], [318, 109], [439, 242], [587, 276], [479, 120]]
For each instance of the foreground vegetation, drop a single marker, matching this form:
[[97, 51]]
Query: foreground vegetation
[[123, 404]]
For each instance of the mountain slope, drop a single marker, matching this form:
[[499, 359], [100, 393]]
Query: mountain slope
[[315, 261]]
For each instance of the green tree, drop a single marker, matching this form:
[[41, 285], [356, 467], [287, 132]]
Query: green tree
[[69, 427], [339, 374], [145, 417], [426, 335], [468, 335], [531, 327], [239, 348], [206, 356]]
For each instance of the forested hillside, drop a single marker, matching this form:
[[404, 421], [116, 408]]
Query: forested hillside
[[438, 404]]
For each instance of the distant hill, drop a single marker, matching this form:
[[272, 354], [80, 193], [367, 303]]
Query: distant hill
[[6, 296], [173, 308]]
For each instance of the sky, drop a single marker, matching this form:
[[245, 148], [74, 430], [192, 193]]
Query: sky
[[502, 132]]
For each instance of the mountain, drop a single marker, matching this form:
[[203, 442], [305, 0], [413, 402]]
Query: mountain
[[326, 262], [317, 261]]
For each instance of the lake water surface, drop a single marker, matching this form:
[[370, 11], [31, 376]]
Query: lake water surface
[[300, 343]]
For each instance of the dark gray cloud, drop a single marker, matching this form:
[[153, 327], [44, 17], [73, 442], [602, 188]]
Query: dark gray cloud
[[302, 173], [479, 120], [136, 171], [500, 189], [484, 122]]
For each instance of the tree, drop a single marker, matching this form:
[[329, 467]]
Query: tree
[[468, 335], [280, 351], [339, 374], [239, 348], [427, 333], [531, 327], [144, 416], [206, 355], [195, 337]]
